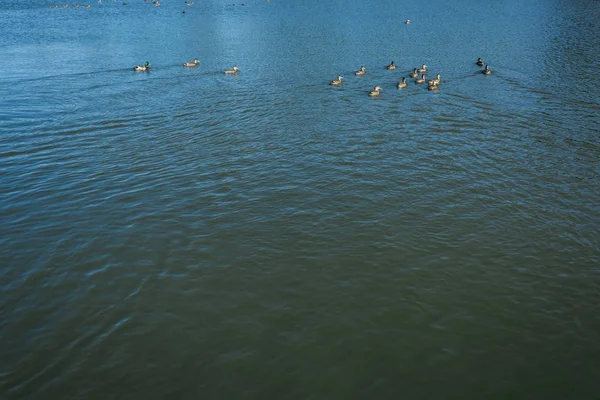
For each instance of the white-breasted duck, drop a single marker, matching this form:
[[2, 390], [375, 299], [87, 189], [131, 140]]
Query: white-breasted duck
[[233, 70], [375, 92], [144, 67], [337, 81]]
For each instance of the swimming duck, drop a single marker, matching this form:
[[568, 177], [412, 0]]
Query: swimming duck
[[421, 79], [337, 81], [423, 68], [192, 64], [233, 70], [414, 74], [432, 86], [479, 62], [486, 70], [407, 21], [361, 71], [402, 84], [391, 66], [435, 81], [142, 67], [375, 92]]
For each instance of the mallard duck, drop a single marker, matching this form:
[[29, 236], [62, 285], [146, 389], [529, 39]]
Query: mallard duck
[[337, 81], [479, 62], [402, 84], [233, 70], [391, 66], [421, 79], [423, 68], [435, 81], [192, 64], [414, 74], [145, 67], [375, 92], [361, 71], [486, 70]]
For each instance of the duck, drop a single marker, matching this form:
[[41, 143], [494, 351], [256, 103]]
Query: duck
[[361, 71], [337, 81], [145, 67], [192, 64], [391, 66], [414, 74], [435, 81], [423, 68], [233, 70], [407, 22], [375, 92], [432, 86], [486, 70], [421, 79], [479, 62], [402, 84]]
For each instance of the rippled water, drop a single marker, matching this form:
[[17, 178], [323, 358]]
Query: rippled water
[[183, 233]]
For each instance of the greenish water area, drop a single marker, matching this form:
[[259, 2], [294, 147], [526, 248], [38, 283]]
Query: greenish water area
[[183, 233]]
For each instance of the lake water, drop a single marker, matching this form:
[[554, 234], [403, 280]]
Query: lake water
[[186, 234]]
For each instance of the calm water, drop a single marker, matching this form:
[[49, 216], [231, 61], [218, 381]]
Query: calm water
[[186, 234]]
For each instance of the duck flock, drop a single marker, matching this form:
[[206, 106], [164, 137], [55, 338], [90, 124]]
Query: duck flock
[[417, 73], [432, 84]]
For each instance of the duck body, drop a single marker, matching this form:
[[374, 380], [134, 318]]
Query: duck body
[[432, 86], [421, 79], [337, 81], [194, 63], [391, 66], [402, 84], [145, 67], [423, 68], [375, 92], [233, 70], [486, 70], [479, 62], [361, 71], [414, 74]]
